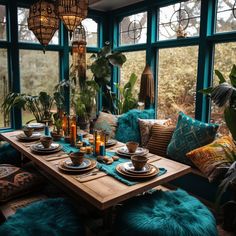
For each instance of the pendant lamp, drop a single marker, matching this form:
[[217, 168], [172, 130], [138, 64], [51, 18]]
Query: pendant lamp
[[43, 21], [72, 12]]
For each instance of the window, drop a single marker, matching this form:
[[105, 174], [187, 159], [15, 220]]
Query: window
[[91, 28], [180, 20], [3, 23], [38, 72], [133, 29], [177, 78], [4, 88], [135, 63], [226, 16], [226, 51], [26, 35]]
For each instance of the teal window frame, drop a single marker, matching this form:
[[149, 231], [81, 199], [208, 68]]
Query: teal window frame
[[205, 42]]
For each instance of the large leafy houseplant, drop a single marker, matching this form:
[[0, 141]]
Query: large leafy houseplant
[[224, 95], [40, 105], [127, 99], [101, 69]]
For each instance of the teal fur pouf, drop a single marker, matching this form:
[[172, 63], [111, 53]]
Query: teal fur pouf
[[128, 127], [172, 213], [51, 217], [8, 155]]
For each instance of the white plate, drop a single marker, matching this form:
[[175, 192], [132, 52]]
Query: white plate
[[139, 151], [128, 166], [40, 147], [35, 125], [85, 164]]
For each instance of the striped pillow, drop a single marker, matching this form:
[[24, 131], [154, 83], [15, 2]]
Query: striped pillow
[[160, 138]]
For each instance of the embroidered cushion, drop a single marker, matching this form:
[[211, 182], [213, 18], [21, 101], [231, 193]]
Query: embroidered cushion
[[145, 126], [209, 158], [128, 127], [160, 138], [106, 122], [188, 135], [15, 181]]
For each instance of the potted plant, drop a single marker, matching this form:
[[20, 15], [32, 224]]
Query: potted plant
[[127, 100], [101, 69], [224, 95], [56, 133]]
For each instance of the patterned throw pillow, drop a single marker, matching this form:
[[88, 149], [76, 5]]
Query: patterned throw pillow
[[209, 158], [160, 138], [106, 122], [188, 135], [15, 181], [145, 126]]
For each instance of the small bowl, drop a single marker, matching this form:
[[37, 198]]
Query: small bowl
[[28, 131], [46, 141], [139, 161], [77, 158], [132, 146]]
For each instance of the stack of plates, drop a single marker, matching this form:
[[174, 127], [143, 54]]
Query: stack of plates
[[36, 126], [40, 149], [68, 166], [123, 151], [127, 169], [111, 142], [35, 136]]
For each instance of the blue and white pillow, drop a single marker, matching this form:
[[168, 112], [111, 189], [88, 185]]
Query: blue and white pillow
[[189, 134]]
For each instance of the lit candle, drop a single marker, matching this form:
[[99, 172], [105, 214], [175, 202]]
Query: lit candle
[[97, 145], [73, 134], [89, 149]]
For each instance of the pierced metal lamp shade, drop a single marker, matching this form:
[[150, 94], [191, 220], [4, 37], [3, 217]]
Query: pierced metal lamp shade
[[43, 21], [79, 53], [72, 12]]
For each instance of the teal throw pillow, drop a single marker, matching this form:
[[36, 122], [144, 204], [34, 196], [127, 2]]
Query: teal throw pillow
[[189, 134], [128, 125]]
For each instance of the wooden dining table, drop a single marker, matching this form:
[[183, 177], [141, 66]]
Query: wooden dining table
[[98, 189]]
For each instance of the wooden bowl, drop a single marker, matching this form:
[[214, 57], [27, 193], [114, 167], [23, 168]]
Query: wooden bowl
[[46, 141], [28, 131], [132, 146], [77, 158], [138, 161]]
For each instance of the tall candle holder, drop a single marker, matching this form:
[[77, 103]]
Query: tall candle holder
[[96, 142], [64, 125]]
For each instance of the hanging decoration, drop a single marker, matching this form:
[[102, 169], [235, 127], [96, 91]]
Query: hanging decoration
[[179, 22], [146, 94], [79, 53], [135, 30], [43, 21], [72, 12]]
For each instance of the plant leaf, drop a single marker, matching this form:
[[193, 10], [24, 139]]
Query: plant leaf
[[232, 76], [220, 76]]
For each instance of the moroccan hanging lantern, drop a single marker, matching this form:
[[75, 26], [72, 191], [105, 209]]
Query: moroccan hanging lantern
[[43, 21], [72, 12], [79, 53]]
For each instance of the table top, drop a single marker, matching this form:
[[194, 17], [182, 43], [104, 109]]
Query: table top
[[100, 190]]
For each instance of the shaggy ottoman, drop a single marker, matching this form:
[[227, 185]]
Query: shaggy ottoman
[[171, 213], [54, 217]]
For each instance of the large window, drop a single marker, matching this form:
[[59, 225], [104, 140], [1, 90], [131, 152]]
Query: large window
[[91, 28], [133, 29], [26, 35], [177, 78], [180, 20], [135, 63], [226, 16], [38, 72], [3, 23], [4, 88]]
